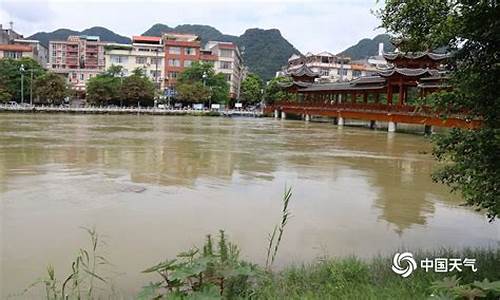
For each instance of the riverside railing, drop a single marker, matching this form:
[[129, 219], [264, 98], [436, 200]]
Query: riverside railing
[[125, 110]]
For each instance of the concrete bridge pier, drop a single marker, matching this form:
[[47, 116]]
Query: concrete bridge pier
[[373, 124], [428, 129], [392, 126], [283, 115], [308, 117], [340, 121], [276, 114]]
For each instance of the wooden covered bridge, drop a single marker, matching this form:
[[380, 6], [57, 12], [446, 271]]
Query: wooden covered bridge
[[388, 96]]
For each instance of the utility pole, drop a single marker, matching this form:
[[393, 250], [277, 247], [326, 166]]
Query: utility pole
[[21, 69], [31, 88]]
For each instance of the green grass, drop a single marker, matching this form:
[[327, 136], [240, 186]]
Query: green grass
[[352, 278]]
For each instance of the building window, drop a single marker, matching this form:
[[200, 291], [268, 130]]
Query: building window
[[189, 51], [118, 59], [174, 50], [12, 54], [141, 60], [155, 61], [82, 76], [227, 77], [172, 75], [226, 53], [356, 73], [187, 63], [174, 62], [226, 65], [155, 74]]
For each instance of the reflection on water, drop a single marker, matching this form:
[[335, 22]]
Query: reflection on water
[[156, 185]]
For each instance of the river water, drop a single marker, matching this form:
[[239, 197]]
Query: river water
[[155, 185]]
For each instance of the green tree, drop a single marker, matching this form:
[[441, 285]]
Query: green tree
[[470, 31], [199, 83], [103, 90], [51, 88], [274, 92], [192, 92], [10, 77], [5, 96], [114, 71], [251, 88], [137, 89]]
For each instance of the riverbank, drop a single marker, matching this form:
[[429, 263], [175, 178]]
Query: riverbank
[[352, 278], [127, 110]]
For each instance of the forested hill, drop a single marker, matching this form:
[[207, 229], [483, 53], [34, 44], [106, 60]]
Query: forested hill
[[369, 47], [264, 51]]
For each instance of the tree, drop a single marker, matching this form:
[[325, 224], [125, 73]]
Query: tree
[[199, 83], [10, 77], [115, 71], [137, 89], [5, 96], [251, 88], [274, 92], [103, 90], [192, 92], [470, 31], [51, 88]]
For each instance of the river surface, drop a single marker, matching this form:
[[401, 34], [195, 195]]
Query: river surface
[[155, 185]]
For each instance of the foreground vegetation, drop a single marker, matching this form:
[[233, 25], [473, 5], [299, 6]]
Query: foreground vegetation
[[216, 271]]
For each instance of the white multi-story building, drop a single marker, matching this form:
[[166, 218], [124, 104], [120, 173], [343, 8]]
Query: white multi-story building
[[229, 63], [331, 67], [145, 53]]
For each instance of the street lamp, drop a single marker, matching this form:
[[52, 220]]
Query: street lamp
[[21, 69], [204, 79], [121, 84]]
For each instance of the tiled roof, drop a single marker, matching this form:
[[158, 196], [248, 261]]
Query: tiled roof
[[300, 84], [408, 72], [146, 38], [304, 71], [415, 55], [20, 48]]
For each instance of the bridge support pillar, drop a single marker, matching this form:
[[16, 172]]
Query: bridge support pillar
[[392, 126], [276, 114], [428, 129], [340, 121], [373, 124], [283, 115], [308, 117]]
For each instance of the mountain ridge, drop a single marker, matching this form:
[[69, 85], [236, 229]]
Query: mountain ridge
[[264, 51]]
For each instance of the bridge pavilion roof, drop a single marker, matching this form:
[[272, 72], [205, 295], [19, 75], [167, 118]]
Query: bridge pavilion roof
[[415, 55]]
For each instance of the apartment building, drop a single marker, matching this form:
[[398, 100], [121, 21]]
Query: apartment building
[[229, 63], [8, 34], [13, 45], [331, 67], [181, 50], [145, 52], [39, 52], [79, 58], [15, 51]]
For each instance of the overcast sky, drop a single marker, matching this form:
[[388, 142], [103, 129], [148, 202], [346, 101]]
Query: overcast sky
[[310, 25]]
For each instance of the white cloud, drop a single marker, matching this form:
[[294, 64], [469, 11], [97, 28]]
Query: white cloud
[[314, 26]]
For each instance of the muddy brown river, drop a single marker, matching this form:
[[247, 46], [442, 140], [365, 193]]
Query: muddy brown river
[[155, 185]]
